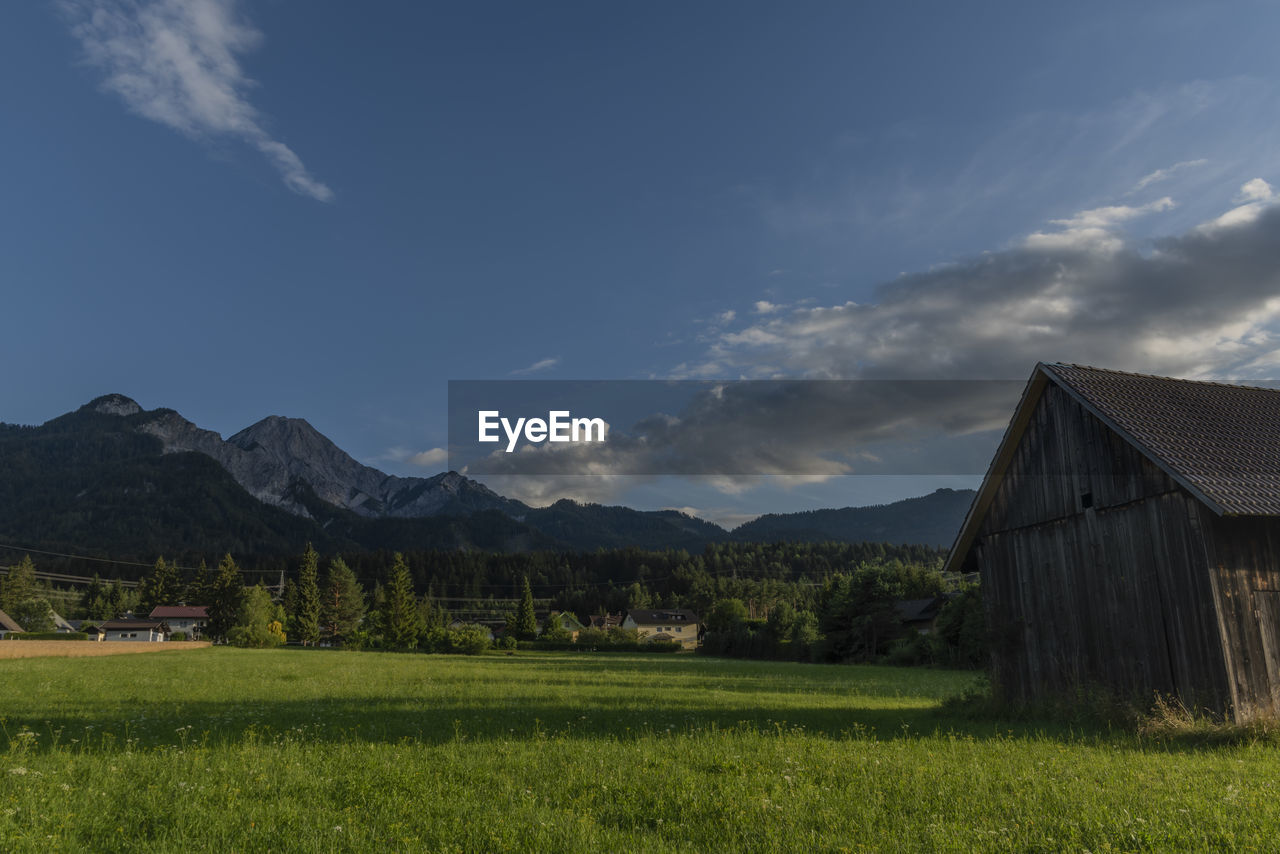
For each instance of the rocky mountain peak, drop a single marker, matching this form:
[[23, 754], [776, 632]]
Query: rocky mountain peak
[[114, 404]]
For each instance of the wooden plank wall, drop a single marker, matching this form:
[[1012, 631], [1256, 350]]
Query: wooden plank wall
[[1244, 553], [1116, 594]]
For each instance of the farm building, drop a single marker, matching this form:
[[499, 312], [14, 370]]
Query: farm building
[[133, 630], [8, 625], [1128, 538]]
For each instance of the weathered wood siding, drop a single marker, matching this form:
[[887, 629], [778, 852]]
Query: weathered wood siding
[[1244, 554], [1094, 571]]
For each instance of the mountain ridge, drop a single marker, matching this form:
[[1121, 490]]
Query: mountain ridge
[[151, 465]]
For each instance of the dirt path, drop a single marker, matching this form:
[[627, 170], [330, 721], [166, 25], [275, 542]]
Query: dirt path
[[82, 649]]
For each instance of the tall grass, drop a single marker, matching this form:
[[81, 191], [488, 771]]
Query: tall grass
[[287, 750]]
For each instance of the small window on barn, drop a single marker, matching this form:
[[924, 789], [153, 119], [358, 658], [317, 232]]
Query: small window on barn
[[1086, 500]]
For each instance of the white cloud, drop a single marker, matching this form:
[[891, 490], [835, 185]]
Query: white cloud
[[1164, 174], [431, 458], [1256, 190], [176, 62], [540, 365], [766, 307], [1200, 304], [1256, 196], [1106, 217], [1093, 230]]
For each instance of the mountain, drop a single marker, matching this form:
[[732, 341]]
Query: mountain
[[595, 526], [928, 520], [126, 481], [129, 482], [268, 457]]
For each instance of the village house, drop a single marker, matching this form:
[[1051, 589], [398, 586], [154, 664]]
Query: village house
[[918, 615], [188, 619], [1128, 538], [605, 622], [133, 630], [569, 622], [671, 624]]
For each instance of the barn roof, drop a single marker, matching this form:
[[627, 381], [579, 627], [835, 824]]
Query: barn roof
[[1219, 442]]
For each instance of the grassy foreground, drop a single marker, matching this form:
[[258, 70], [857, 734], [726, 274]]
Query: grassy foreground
[[237, 750]]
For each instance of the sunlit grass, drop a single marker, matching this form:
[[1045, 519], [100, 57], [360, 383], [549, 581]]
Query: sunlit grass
[[230, 750]]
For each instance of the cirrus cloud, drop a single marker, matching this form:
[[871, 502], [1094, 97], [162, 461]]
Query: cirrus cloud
[[175, 62]]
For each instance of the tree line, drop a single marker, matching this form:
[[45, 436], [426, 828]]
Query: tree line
[[800, 601]]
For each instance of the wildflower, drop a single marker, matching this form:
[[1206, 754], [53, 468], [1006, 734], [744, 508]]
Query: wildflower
[[19, 771]]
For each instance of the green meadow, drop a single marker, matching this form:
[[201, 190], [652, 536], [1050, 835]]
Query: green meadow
[[288, 750]]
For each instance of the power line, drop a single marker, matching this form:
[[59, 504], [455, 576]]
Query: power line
[[119, 562]]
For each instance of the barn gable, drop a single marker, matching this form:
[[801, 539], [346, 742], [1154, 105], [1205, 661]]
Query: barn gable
[[1110, 548]]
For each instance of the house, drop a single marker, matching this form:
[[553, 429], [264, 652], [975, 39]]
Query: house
[[677, 624], [605, 622], [61, 625], [569, 622], [1127, 535], [133, 630], [188, 619], [918, 614], [8, 624]]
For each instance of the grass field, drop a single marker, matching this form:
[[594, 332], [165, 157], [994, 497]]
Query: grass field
[[290, 750]]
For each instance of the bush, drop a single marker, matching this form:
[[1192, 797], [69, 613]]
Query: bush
[[177, 636], [911, 651], [48, 636], [468, 640]]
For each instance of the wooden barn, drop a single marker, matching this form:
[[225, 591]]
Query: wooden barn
[[1128, 538]]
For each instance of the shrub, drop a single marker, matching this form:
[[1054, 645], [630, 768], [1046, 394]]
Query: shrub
[[177, 636], [469, 639], [48, 635]]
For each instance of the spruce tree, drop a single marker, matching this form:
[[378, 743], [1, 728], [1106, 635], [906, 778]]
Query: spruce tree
[[304, 623], [225, 597], [199, 588], [19, 585], [525, 626], [344, 603], [400, 616], [162, 587]]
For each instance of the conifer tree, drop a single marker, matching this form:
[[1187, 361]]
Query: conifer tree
[[225, 596], [344, 602], [200, 587], [400, 615], [525, 626], [19, 585], [162, 587], [304, 624]]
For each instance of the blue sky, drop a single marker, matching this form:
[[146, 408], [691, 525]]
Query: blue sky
[[328, 209]]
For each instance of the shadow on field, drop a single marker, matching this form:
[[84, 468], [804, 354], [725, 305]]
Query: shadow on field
[[317, 697]]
